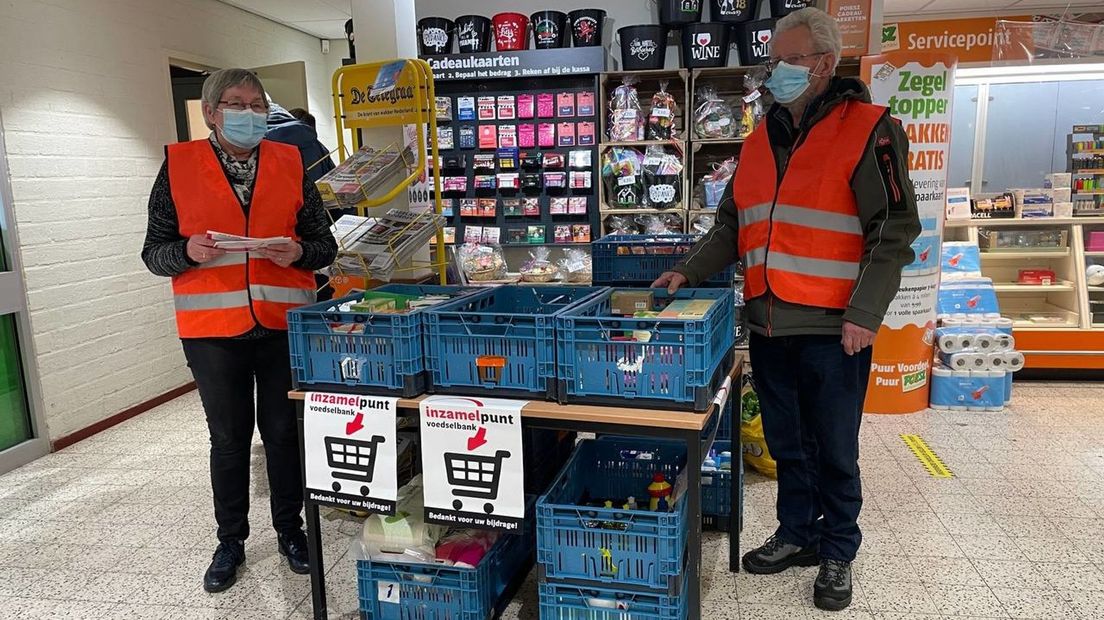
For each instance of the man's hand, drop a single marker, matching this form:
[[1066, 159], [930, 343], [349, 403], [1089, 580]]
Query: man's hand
[[283, 254], [201, 249], [672, 280], [856, 338]]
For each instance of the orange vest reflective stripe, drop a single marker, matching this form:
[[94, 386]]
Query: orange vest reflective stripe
[[803, 239], [228, 296]]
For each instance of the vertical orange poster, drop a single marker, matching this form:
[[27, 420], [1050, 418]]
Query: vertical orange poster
[[918, 88], [853, 17]]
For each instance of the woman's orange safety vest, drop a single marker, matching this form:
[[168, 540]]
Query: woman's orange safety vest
[[802, 238], [230, 295]]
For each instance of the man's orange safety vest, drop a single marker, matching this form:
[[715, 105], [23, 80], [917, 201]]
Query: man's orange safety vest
[[230, 295], [802, 238]]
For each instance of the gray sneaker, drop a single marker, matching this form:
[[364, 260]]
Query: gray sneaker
[[776, 555], [832, 588]]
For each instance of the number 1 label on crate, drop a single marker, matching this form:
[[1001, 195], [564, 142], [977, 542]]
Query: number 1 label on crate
[[349, 447], [472, 466]]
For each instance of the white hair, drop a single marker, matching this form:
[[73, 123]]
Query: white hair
[[824, 30]]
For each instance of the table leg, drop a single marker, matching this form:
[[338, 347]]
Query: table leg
[[693, 560], [736, 516], [317, 563]]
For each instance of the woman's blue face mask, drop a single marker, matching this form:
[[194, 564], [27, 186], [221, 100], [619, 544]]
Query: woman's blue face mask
[[244, 128]]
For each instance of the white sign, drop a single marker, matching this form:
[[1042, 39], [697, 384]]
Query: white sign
[[472, 463], [349, 447]]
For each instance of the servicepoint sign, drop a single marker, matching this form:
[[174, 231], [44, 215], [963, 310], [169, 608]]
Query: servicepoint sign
[[969, 40], [918, 90]]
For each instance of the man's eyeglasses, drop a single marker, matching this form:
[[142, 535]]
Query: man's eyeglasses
[[792, 59], [256, 106]]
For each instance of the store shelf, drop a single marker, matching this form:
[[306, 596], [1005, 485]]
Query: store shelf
[[644, 143], [1062, 286], [1089, 152], [1094, 254], [708, 141], [1094, 289], [1088, 171], [615, 211], [1063, 253], [1031, 221]]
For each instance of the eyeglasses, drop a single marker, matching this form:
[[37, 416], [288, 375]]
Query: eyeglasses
[[792, 59], [256, 106]]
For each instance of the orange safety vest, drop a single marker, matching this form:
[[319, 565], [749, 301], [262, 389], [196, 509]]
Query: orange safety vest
[[230, 295], [802, 238]]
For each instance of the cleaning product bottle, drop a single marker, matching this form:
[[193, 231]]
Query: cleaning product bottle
[[725, 461], [657, 489], [630, 503]]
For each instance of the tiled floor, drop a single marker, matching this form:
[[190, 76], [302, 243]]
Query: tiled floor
[[120, 526]]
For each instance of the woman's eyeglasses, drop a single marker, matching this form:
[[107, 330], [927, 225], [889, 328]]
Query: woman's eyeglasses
[[257, 106]]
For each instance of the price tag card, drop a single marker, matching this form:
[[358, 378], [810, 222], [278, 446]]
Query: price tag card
[[349, 447], [472, 464]]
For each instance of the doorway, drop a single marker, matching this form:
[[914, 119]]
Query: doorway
[[187, 89]]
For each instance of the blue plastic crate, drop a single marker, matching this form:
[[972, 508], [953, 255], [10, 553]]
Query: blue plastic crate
[[499, 342], [565, 601], [437, 592], [717, 491], [613, 545], [680, 363], [726, 418], [346, 351], [628, 260]]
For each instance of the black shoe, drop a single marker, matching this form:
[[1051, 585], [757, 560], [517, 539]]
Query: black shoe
[[832, 588], [776, 555], [293, 546], [223, 571]]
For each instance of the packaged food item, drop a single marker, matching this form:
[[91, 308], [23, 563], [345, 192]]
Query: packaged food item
[[702, 223], [712, 186], [557, 206], [565, 105], [626, 122], [577, 205], [443, 108], [662, 177], [480, 262], [575, 266], [580, 179], [468, 207], [661, 118], [580, 160], [622, 225], [486, 207], [580, 233], [506, 108], [563, 233], [530, 206], [713, 117], [511, 207], [754, 109], [539, 266], [622, 171], [567, 134], [526, 106], [535, 234], [465, 108], [628, 303], [546, 105], [485, 106], [553, 161], [584, 102]]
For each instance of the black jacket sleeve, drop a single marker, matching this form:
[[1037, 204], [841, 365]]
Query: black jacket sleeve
[[164, 250], [718, 248], [313, 228], [887, 210]]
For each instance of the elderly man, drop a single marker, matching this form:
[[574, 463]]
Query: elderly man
[[822, 213], [231, 307]]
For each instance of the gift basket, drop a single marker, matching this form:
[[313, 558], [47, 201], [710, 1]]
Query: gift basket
[[482, 262], [622, 173]]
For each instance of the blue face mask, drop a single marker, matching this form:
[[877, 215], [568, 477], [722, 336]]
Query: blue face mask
[[787, 82], [243, 128]]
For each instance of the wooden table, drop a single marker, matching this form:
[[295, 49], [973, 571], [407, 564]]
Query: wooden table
[[696, 429]]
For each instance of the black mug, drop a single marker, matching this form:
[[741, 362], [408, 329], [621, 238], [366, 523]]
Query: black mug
[[435, 36], [586, 27], [549, 29]]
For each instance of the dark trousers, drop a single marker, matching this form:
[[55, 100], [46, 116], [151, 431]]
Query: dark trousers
[[226, 371], [811, 394]]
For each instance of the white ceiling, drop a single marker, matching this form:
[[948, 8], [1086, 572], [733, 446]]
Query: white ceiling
[[324, 19], [925, 9]]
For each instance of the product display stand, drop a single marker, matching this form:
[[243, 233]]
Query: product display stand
[[1055, 326], [697, 430]]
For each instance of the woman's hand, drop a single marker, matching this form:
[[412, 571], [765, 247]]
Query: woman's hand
[[201, 249], [283, 254]]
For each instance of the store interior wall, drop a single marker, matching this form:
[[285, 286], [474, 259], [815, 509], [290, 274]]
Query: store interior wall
[[87, 108]]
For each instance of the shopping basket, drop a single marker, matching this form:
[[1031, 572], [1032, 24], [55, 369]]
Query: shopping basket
[[637, 260]]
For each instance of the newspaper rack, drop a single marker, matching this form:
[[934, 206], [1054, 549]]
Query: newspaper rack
[[389, 94]]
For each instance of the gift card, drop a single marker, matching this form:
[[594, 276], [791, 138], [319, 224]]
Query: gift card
[[467, 136], [488, 137], [535, 234], [584, 103], [546, 135], [506, 108], [492, 235], [473, 234], [586, 134], [507, 136], [527, 135], [567, 134], [526, 106], [486, 207], [546, 105], [465, 108], [565, 105], [486, 108], [511, 207]]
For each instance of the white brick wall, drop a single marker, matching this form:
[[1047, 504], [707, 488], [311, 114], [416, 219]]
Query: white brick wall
[[87, 108]]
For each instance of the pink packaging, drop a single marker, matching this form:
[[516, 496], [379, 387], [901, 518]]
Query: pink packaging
[[525, 106], [546, 105], [585, 103], [527, 135], [565, 105], [546, 135], [586, 133], [567, 134], [1096, 241]]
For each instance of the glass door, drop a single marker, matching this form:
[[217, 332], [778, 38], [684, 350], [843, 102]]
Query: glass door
[[22, 438]]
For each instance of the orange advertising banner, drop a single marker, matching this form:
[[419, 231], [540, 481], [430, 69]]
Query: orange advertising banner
[[969, 39], [853, 17], [918, 89]]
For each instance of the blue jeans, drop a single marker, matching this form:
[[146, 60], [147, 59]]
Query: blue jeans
[[811, 394]]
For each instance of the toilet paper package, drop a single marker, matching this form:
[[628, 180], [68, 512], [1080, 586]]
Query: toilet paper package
[[960, 259], [965, 361], [961, 298], [926, 250], [967, 390], [959, 338]]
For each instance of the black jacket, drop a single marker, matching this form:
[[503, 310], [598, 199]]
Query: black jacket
[[283, 127], [889, 220]]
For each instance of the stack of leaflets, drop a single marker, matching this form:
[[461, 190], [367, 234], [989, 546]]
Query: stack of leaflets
[[381, 245], [355, 179]]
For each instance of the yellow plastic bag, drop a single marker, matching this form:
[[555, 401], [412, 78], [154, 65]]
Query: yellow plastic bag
[[754, 442]]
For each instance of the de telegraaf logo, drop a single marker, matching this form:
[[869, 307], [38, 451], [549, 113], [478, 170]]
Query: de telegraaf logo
[[643, 49]]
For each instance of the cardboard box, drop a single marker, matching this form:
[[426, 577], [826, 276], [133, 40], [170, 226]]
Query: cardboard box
[[1058, 180], [687, 309], [627, 303]]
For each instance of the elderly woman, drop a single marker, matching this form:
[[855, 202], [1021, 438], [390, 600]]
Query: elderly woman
[[231, 306]]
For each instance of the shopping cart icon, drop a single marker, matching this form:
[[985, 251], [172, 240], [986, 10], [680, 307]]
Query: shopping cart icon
[[357, 458], [473, 475]]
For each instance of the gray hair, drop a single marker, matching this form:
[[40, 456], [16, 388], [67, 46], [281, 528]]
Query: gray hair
[[825, 32], [220, 80]]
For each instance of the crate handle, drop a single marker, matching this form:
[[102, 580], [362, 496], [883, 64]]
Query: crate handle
[[477, 320]]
